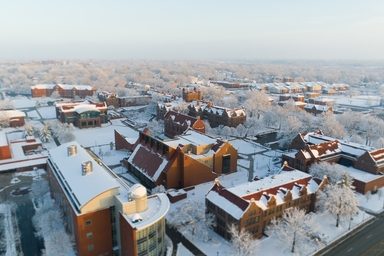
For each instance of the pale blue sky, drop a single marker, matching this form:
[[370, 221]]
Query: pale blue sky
[[198, 29]]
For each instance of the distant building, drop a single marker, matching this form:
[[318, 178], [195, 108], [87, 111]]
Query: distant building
[[63, 90], [103, 214], [12, 118], [318, 109], [114, 100], [252, 206], [194, 95], [176, 124], [18, 153], [82, 114]]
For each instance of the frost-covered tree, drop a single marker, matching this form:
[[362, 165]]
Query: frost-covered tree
[[158, 189], [55, 95], [330, 126], [39, 188], [338, 200], [64, 132], [242, 241], [4, 120], [190, 219], [29, 130], [45, 134], [295, 230], [290, 128], [334, 172], [256, 103], [49, 225], [6, 104], [156, 128], [241, 130]]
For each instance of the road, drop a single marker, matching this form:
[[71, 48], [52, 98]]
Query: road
[[367, 242]]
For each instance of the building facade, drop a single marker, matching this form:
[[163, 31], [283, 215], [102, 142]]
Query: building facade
[[191, 95], [176, 124], [63, 90], [358, 159], [189, 159], [103, 214], [253, 205], [82, 114]]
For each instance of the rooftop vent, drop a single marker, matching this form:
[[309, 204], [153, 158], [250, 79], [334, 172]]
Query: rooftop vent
[[86, 167], [72, 150]]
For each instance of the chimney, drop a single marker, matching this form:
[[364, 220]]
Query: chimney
[[86, 167], [71, 150]]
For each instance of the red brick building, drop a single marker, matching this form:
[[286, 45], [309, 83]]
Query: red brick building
[[82, 114], [18, 153], [103, 214], [13, 118], [64, 90], [252, 206], [176, 124], [357, 159], [187, 160]]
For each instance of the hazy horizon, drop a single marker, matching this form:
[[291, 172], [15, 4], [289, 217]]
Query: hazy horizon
[[198, 30]]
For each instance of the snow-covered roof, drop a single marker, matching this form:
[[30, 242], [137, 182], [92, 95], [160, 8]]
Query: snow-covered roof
[[191, 137], [12, 113], [353, 149], [78, 87], [3, 139], [361, 175], [158, 206], [236, 200], [82, 109], [153, 168], [268, 182], [43, 86], [83, 188]]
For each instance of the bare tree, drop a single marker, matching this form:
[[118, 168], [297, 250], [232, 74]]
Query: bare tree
[[334, 172], [242, 241], [295, 229], [190, 218], [338, 200]]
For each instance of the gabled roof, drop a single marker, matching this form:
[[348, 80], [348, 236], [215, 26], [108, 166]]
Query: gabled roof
[[378, 155], [148, 161], [237, 199], [324, 149], [180, 118]]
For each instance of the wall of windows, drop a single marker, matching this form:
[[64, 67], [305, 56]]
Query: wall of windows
[[151, 240]]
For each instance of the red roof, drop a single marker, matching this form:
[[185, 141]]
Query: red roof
[[238, 201], [180, 118], [148, 161], [274, 190], [377, 155]]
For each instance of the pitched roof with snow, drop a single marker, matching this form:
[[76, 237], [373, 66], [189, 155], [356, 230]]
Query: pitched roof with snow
[[180, 118], [378, 155], [350, 148], [324, 149], [12, 113], [230, 112], [148, 162], [236, 200]]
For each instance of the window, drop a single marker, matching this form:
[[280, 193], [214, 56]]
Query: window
[[90, 247], [89, 235], [88, 222]]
